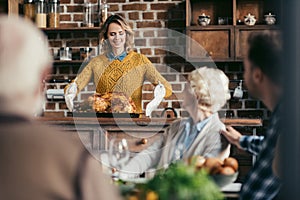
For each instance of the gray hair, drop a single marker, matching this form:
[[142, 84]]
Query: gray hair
[[24, 55], [210, 86]]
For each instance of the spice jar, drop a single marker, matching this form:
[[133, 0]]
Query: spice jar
[[65, 53], [88, 15], [29, 10], [53, 14], [40, 13]]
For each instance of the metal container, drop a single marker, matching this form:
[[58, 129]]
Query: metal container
[[55, 94]]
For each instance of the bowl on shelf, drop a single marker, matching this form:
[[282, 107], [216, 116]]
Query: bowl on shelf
[[204, 20], [223, 180]]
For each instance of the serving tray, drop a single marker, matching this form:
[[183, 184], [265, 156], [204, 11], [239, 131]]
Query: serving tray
[[103, 115]]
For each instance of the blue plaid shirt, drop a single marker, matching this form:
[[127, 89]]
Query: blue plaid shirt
[[260, 182]]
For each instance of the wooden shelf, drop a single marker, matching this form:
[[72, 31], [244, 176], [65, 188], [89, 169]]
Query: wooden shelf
[[71, 29], [208, 27]]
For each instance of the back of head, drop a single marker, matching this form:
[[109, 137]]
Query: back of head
[[211, 88], [265, 52], [24, 56]]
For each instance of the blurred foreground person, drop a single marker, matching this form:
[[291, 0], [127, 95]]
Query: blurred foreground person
[[263, 77], [37, 162]]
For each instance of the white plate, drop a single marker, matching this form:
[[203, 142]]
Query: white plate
[[232, 187]]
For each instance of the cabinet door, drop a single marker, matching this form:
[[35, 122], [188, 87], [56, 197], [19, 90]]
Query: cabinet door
[[241, 35], [210, 44]]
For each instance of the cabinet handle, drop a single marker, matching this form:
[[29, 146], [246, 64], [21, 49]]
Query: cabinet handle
[[142, 141]]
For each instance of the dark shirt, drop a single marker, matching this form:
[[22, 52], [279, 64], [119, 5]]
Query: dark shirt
[[261, 182]]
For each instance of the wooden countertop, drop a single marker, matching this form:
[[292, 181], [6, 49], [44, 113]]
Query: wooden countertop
[[139, 121]]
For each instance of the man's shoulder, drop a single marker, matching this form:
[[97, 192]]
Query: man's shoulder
[[44, 135]]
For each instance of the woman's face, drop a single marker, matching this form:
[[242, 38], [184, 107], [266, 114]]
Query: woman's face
[[190, 102], [117, 37]]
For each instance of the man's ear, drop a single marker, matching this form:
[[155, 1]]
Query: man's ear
[[258, 75]]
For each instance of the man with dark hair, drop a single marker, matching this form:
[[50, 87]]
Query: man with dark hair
[[263, 77]]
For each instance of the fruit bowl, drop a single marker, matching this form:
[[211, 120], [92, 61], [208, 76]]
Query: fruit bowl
[[223, 180]]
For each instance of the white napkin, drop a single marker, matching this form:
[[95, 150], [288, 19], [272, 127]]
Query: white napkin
[[159, 93], [70, 95]]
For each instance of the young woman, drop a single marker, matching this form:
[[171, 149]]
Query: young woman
[[119, 68]]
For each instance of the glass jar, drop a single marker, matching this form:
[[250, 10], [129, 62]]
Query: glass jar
[[65, 53], [53, 14], [104, 11], [85, 53], [29, 10], [88, 15], [40, 13]]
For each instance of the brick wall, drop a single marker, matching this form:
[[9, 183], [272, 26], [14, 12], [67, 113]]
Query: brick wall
[[157, 24]]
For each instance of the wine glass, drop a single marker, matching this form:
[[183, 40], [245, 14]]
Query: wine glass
[[118, 155]]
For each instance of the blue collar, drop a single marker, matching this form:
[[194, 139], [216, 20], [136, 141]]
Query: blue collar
[[200, 124], [188, 136], [120, 57]]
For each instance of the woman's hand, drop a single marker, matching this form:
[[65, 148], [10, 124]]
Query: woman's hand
[[232, 135]]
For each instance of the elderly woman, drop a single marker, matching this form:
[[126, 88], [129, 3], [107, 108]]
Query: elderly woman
[[119, 68], [205, 92]]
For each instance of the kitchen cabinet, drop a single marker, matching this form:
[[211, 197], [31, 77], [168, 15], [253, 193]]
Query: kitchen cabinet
[[96, 132], [141, 132], [210, 43], [241, 35], [224, 39]]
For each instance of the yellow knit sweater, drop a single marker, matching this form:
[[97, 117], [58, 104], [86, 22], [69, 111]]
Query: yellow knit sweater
[[125, 76]]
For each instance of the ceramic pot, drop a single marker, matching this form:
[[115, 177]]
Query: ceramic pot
[[249, 20]]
